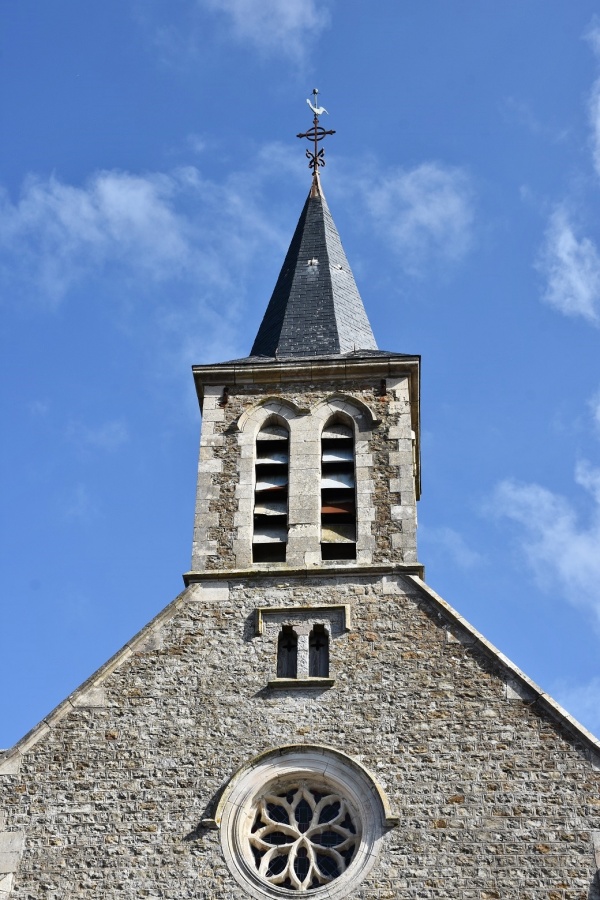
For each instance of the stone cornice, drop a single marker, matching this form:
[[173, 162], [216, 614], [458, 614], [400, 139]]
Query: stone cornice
[[298, 369], [280, 570]]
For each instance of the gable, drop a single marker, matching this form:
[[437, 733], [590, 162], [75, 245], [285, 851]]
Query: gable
[[467, 751]]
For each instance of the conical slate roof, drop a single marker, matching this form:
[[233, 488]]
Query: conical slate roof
[[315, 308]]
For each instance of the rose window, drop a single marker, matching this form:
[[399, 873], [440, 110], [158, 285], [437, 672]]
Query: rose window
[[302, 837]]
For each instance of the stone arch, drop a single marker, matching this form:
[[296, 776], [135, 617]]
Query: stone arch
[[347, 408], [325, 754], [274, 408]]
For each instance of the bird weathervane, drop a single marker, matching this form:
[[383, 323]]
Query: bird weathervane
[[316, 157]]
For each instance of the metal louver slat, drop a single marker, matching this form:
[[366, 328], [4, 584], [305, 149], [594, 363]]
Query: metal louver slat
[[337, 480], [270, 535], [344, 454], [272, 433], [270, 508], [279, 459], [339, 534], [336, 431], [338, 507], [271, 482]]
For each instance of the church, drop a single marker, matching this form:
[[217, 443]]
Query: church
[[308, 715]]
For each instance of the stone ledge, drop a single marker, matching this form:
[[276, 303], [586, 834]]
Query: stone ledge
[[301, 683], [278, 569]]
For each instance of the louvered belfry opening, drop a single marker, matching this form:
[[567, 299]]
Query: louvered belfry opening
[[338, 492], [269, 541]]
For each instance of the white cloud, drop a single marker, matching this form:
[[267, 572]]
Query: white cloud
[[452, 545], [570, 262], [108, 436], [176, 244], [562, 552], [593, 36], [63, 232], [426, 213], [582, 701], [594, 116], [571, 268], [284, 27]]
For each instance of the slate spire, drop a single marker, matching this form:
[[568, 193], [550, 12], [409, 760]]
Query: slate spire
[[315, 308]]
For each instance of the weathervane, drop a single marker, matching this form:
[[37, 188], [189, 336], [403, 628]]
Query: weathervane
[[315, 134]]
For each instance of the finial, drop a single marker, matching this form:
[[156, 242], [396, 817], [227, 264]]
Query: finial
[[316, 157]]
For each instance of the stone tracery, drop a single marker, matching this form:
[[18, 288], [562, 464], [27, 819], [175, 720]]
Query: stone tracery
[[302, 837]]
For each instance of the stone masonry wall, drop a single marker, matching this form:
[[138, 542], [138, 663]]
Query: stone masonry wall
[[384, 469], [495, 798]]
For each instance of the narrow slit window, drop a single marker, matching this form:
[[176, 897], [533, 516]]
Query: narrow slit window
[[287, 653], [318, 653], [270, 533], [338, 493]]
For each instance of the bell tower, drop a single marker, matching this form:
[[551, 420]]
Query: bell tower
[[309, 451]]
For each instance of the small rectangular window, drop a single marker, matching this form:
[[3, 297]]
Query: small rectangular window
[[287, 653], [318, 653]]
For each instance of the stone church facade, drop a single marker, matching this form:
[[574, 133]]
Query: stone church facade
[[307, 715]]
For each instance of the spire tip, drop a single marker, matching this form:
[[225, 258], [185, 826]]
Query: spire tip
[[316, 156]]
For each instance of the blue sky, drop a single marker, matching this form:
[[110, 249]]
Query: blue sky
[[150, 182]]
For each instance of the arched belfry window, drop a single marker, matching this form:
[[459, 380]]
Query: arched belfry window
[[287, 653], [270, 536], [338, 492], [318, 652]]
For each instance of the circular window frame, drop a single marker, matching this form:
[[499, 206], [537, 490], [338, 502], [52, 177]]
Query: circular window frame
[[278, 769]]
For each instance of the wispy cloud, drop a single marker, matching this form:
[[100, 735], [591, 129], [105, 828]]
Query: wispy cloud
[[570, 266], [39, 408], [197, 143], [569, 261], [562, 551], [452, 545], [280, 27], [520, 112], [582, 701], [79, 506], [426, 214], [108, 436], [177, 242], [592, 34], [62, 232]]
